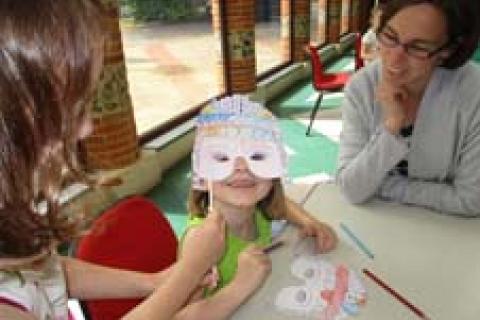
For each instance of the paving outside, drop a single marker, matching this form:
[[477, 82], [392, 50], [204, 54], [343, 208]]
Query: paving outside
[[172, 67]]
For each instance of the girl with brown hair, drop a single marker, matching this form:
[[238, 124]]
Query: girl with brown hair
[[50, 60]]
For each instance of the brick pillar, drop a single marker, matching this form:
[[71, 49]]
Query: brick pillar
[[217, 32], [240, 26], [345, 17], [113, 143], [334, 8], [301, 28], [355, 13], [285, 29], [322, 21]]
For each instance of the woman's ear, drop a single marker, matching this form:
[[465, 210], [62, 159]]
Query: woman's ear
[[444, 55], [449, 50]]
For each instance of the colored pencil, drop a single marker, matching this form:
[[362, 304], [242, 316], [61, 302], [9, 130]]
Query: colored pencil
[[395, 294], [273, 246], [357, 241]]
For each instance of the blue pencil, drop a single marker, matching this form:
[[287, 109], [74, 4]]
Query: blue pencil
[[357, 241]]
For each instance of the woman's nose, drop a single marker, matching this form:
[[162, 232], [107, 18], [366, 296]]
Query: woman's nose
[[398, 53]]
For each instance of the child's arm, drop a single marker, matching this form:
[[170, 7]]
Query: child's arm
[[326, 238], [253, 268], [90, 281]]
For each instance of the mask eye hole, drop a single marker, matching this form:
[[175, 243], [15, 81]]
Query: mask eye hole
[[301, 296], [258, 156], [308, 273], [221, 157]]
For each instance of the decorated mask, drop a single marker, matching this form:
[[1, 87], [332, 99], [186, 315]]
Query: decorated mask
[[237, 127]]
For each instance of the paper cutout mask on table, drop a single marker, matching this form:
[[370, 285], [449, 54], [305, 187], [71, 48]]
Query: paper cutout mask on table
[[329, 293], [237, 127]]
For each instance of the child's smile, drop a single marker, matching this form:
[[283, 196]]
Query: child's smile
[[242, 188], [241, 183]]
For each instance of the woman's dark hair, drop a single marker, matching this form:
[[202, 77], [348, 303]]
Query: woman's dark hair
[[51, 55], [463, 23]]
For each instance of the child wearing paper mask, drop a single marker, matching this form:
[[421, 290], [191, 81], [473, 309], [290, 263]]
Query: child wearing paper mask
[[238, 161]]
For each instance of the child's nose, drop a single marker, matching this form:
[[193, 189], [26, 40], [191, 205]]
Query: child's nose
[[240, 164]]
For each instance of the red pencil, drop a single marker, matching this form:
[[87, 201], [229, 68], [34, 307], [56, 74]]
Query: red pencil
[[395, 294]]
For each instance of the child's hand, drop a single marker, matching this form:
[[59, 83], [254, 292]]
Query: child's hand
[[204, 245], [253, 268], [325, 237], [210, 282]]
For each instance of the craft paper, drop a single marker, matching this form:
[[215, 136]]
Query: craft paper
[[328, 292]]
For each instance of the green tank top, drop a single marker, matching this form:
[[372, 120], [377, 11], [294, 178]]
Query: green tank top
[[227, 267]]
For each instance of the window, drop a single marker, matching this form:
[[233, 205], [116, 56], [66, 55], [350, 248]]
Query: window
[[172, 57], [268, 36], [318, 18]]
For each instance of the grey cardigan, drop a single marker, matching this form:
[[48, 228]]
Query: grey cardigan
[[444, 150]]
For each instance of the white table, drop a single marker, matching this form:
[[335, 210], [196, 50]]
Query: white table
[[433, 260]]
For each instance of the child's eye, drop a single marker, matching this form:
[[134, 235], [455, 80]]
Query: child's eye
[[221, 157], [258, 156]]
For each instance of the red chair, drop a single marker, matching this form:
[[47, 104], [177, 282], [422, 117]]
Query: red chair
[[359, 63], [134, 235], [323, 82]]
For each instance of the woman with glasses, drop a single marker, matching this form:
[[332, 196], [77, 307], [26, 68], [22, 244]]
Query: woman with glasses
[[411, 119]]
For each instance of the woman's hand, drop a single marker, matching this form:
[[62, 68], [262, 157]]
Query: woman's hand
[[204, 245], [325, 237], [395, 106]]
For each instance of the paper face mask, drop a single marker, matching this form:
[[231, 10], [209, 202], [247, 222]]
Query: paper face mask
[[217, 158], [232, 128]]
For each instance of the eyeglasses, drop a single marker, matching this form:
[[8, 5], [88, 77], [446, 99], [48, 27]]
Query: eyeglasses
[[412, 49]]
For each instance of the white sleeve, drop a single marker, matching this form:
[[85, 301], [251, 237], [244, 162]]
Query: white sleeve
[[364, 158], [41, 293], [12, 289], [460, 196]]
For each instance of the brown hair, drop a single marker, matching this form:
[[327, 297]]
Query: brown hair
[[463, 23], [50, 59], [273, 204]]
